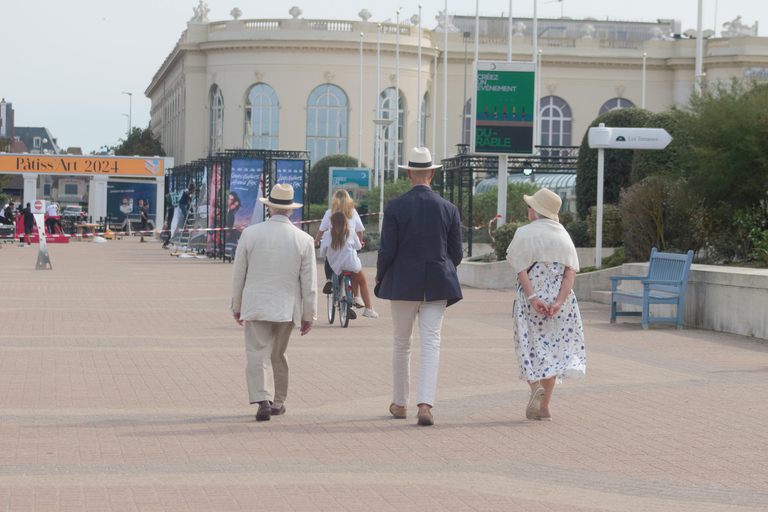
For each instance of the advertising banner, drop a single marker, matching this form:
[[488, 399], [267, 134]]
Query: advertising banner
[[246, 185], [124, 200], [504, 113], [356, 181], [94, 165], [292, 171], [214, 209]]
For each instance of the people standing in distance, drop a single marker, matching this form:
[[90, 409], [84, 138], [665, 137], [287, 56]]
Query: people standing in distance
[[168, 220], [184, 202], [548, 334], [10, 215], [29, 222], [144, 214], [341, 252], [416, 270], [53, 218], [274, 287]]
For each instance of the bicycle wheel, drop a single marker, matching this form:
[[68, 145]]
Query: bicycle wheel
[[345, 300], [332, 299]]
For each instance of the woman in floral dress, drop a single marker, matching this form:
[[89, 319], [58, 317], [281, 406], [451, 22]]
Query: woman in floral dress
[[548, 335]]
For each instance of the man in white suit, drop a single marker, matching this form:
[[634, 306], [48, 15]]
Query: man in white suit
[[274, 288]]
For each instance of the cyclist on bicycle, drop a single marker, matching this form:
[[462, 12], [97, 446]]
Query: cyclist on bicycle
[[342, 247]]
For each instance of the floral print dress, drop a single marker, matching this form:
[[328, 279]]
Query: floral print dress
[[548, 347]]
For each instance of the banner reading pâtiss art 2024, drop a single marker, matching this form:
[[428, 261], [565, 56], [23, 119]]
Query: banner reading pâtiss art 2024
[[243, 207]]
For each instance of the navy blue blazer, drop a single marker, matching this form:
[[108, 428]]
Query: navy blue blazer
[[420, 248]]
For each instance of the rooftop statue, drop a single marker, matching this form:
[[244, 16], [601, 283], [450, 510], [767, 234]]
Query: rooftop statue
[[441, 23], [736, 28], [201, 13]]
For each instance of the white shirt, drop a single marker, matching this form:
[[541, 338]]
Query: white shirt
[[355, 225], [52, 211], [346, 257]]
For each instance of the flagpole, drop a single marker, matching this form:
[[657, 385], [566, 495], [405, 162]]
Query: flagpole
[[397, 93], [418, 90]]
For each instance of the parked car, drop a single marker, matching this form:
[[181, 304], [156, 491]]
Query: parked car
[[73, 211]]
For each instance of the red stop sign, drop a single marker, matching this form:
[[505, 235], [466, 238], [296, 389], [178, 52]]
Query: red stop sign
[[38, 205]]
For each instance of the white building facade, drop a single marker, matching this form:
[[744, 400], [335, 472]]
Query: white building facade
[[294, 84]]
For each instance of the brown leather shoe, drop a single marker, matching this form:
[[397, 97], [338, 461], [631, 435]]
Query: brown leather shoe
[[534, 403], [264, 412], [544, 415], [425, 418], [398, 411]]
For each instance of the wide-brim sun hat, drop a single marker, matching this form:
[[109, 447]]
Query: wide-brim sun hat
[[419, 160], [281, 196], [545, 202]]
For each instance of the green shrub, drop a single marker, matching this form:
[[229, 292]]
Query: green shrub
[[613, 234], [372, 240], [391, 190], [616, 259], [618, 162], [579, 231], [484, 205], [566, 218], [668, 161], [318, 175], [503, 237]]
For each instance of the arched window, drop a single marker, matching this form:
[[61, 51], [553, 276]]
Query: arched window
[[466, 123], [387, 109], [424, 117], [555, 121], [327, 113], [216, 143], [261, 118], [614, 104]]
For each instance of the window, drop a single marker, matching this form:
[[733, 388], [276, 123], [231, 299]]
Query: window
[[555, 122], [424, 118], [327, 114], [70, 189], [46, 189], [216, 144], [614, 104], [466, 123], [261, 118], [387, 109], [36, 142]]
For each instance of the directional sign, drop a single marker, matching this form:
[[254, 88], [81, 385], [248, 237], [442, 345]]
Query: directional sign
[[629, 138]]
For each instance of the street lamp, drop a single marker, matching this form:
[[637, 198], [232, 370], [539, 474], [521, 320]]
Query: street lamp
[[380, 124], [130, 111], [128, 118]]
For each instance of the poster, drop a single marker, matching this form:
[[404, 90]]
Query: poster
[[503, 108], [356, 181], [243, 207], [292, 171], [214, 209], [124, 200]]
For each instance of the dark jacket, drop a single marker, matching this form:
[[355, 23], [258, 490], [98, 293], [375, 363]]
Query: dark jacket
[[420, 248], [29, 217]]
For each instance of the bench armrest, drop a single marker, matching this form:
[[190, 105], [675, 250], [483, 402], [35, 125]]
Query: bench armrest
[[616, 279], [666, 282]]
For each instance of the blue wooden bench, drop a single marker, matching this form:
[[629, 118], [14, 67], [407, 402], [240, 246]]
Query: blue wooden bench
[[665, 284]]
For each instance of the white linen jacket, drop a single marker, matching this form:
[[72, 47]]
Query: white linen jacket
[[274, 278]]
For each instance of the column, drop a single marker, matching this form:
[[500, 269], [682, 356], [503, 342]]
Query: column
[[30, 188], [97, 197]]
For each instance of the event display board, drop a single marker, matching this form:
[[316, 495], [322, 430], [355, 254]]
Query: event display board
[[91, 164], [214, 208], [198, 239], [246, 186], [503, 108], [292, 172], [355, 180], [124, 198]]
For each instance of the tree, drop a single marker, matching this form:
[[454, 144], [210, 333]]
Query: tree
[[140, 142], [669, 161], [618, 162], [318, 176]]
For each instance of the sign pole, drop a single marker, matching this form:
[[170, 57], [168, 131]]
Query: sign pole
[[599, 229], [501, 203], [43, 259]]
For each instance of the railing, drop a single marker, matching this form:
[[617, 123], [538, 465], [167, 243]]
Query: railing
[[718, 43], [621, 44], [217, 26], [391, 28], [491, 39], [262, 25], [331, 26], [557, 42]]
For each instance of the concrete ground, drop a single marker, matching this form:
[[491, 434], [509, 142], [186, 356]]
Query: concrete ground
[[122, 388]]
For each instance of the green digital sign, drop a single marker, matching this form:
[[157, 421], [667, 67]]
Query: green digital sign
[[503, 110]]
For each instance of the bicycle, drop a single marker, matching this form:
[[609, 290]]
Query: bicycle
[[341, 298]]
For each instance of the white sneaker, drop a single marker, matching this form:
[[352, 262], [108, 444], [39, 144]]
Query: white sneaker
[[370, 313], [358, 302]]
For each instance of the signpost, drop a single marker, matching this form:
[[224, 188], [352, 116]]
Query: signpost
[[618, 138], [355, 180], [504, 115]]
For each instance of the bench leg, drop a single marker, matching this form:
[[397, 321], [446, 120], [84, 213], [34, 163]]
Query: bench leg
[[645, 314], [613, 311], [679, 315]]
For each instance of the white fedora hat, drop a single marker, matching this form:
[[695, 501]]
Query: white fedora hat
[[281, 197], [545, 202], [420, 160]]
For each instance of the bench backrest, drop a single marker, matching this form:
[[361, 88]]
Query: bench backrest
[[673, 268]]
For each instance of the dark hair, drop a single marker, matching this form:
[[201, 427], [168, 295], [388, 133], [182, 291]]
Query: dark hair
[[233, 193], [191, 186]]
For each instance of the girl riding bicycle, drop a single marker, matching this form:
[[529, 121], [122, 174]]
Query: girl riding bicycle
[[342, 247]]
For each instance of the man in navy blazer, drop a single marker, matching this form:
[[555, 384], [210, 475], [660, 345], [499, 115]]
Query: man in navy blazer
[[416, 270]]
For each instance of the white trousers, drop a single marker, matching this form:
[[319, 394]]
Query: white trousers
[[266, 371], [430, 315]]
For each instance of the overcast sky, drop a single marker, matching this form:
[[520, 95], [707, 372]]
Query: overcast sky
[[65, 64]]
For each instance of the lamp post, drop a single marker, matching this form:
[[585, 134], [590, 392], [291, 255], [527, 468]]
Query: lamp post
[[397, 95], [418, 88], [380, 124], [360, 108], [128, 119], [466, 36], [643, 97], [130, 111]]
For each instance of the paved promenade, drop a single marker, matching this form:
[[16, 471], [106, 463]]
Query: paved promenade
[[122, 388]]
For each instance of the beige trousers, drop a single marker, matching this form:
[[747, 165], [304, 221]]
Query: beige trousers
[[266, 371]]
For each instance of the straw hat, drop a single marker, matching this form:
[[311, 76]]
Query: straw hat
[[281, 197], [419, 160], [545, 202]]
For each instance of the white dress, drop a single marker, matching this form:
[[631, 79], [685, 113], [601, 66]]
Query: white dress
[[548, 347]]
